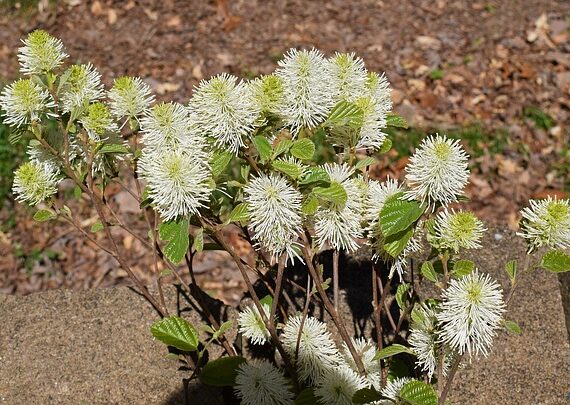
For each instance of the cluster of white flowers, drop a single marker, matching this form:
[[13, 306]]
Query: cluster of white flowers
[[454, 230], [261, 383], [24, 102], [546, 223], [34, 182], [251, 324]]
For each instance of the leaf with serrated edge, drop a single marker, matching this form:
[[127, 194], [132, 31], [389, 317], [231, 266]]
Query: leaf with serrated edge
[[556, 261], [283, 146], [315, 175], [176, 233], [418, 393], [44, 215], [303, 149], [397, 215], [392, 351], [347, 114], [394, 244], [463, 267], [177, 332], [290, 169], [219, 162], [367, 161], [334, 193], [263, 148], [240, 213], [429, 272], [395, 120]]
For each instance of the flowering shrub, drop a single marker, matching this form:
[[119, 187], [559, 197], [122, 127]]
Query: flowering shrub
[[285, 159]]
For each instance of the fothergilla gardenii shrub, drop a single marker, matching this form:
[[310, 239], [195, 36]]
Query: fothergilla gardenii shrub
[[284, 158]]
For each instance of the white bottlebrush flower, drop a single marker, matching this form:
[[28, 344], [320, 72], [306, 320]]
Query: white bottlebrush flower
[[261, 383], [347, 76], [437, 171], [307, 93], [470, 313], [167, 126], [25, 101], [392, 390], [546, 223], [34, 182], [339, 226], [98, 122], [366, 350], [179, 183], [275, 213], [337, 386], [223, 109], [251, 324], [378, 194], [423, 340], [267, 93], [317, 351], [379, 89], [41, 53], [454, 230], [129, 97], [82, 86]]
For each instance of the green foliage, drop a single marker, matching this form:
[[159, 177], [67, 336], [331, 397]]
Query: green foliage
[[513, 327], [436, 74], [418, 393], [397, 215], [345, 114], [396, 121], [176, 234], [334, 193], [303, 149], [511, 269], [176, 332], [463, 267], [366, 395], [541, 119], [556, 261], [428, 271], [11, 155], [290, 169], [263, 148], [239, 213], [44, 215], [221, 372], [392, 351]]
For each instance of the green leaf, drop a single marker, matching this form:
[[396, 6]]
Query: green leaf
[[386, 146], [263, 147], [429, 272], [224, 327], [315, 175], [198, 243], [44, 215], [463, 267], [512, 327], [334, 193], [240, 213], [113, 148], [283, 146], [395, 120], [401, 294], [395, 244], [397, 215], [290, 169], [511, 269], [303, 149], [556, 261], [366, 395], [367, 161], [307, 397], [392, 351], [221, 372], [97, 226], [77, 192], [418, 393], [219, 162], [176, 234], [177, 332], [345, 114], [310, 206]]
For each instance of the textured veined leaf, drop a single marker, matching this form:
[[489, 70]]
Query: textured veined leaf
[[386, 146], [395, 120], [177, 332], [290, 169], [367, 161], [97, 226], [346, 114], [176, 234], [44, 215], [303, 149], [556, 261], [310, 205], [281, 147], [397, 215], [263, 147], [395, 244], [418, 393], [221, 372], [511, 269], [198, 243], [113, 148], [219, 162], [334, 193], [392, 351], [463, 267], [315, 175], [401, 294], [513, 327], [240, 213], [428, 271]]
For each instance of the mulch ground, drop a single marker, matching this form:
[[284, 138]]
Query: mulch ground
[[451, 64]]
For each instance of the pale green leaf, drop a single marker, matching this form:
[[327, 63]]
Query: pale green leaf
[[463, 267], [315, 175], [219, 162], [511, 269], [396, 243], [44, 215], [97, 226], [334, 193], [290, 169], [113, 148], [556, 261], [282, 146], [345, 114], [512, 327], [303, 149], [177, 332], [386, 146], [240, 213], [198, 243], [176, 234], [310, 206], [395, 120], [392, 351], [367, 161], [263, 147], [429, 272]]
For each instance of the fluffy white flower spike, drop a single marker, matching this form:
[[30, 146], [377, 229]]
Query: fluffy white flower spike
[[130, 97], [224, 109], [83, 85], [462, 229], [546, 223], [423, 339], [275, 213], [98, 121], [337, 386], [307, 94], [166, 126], [24, 101], [340, 226], [251, 324], [375, 105], [437, 171], [347, 76], [470, 313], [34, 182], [267, 93], [317, 351], [261, 383], [178, 182], [41, 53], [366, 350], [392, 390]]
